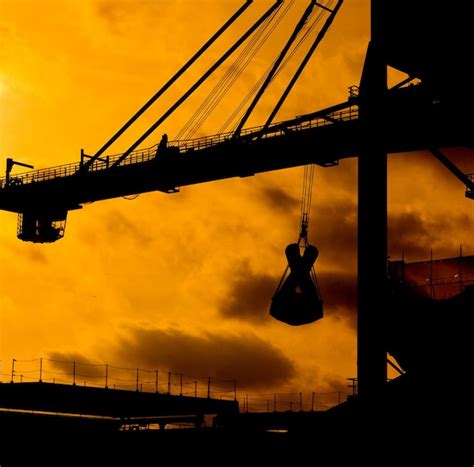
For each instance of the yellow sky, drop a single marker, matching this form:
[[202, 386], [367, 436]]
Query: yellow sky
[[182, 267]]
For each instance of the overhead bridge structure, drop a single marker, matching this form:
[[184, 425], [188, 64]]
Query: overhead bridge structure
[[103, 406]]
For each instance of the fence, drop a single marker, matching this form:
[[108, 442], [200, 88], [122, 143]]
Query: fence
[[115, 377], [164, 382], [291, 402]]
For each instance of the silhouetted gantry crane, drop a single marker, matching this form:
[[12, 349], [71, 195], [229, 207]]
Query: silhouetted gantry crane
[[426, 111], [42, 198]]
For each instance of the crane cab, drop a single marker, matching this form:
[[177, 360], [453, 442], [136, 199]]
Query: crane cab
[[41, 228]]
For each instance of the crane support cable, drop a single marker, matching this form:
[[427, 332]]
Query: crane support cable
[[285, 63], [223, 81], [239, 69], [303, 64], [199, 82], [242, 104], [229, 78], [276, 65], [259, 83], [170, 82]]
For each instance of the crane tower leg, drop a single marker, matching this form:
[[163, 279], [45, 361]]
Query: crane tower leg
[[372, 219]]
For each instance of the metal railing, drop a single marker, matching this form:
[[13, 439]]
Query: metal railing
[[290, 402], [277, 129], [183, 146], [112, 377], [103, 375]]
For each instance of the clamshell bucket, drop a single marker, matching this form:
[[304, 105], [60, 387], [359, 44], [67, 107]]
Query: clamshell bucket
[[297, 300]]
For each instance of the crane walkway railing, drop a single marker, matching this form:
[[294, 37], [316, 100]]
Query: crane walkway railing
[[184, 146]]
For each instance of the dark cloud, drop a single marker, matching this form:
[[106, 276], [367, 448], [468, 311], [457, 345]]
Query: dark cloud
[[339, 292], [278, 199], [249, 295], [31, 252], [413, 235], [118, 225], [334, 231], [63, 363], [254, 362]]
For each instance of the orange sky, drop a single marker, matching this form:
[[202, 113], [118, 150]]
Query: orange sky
[[183, 281]]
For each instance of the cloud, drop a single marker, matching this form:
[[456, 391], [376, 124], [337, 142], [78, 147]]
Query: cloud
[[121, 15], [249, 295], [85, 368], [411, 233], [253, 362], [118, 225], [278, 199], [339, 292], [115, 12], [31, 252], [334, 231]]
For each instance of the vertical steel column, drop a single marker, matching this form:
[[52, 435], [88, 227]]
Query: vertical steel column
[[372, 221]]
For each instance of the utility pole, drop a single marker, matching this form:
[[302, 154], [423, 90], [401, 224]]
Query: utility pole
[[13, 370], [372, 214]]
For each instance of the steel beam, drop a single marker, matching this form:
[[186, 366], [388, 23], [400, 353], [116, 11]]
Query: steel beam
[[372, 218]]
